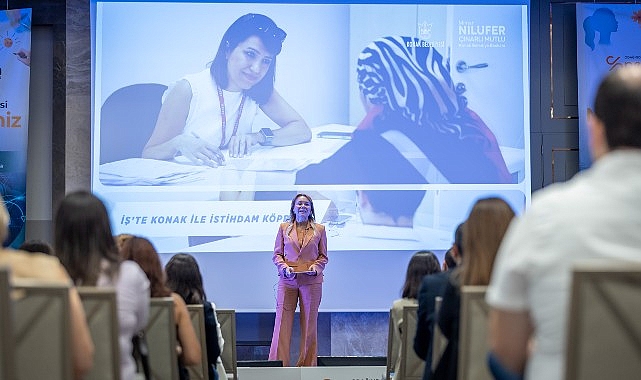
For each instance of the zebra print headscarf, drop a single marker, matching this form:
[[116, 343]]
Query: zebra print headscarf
[[402, 75]]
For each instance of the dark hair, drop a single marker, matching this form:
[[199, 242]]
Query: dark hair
[[421, 264], [458, 238], [449, 259], [35, 245], [395, 203], [618, 106], [483, 232], [184, 277], [142, 251], [272, 37], [292, 214], [83, 238]]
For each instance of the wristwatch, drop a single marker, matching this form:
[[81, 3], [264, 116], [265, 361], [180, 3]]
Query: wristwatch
[[268, 136]]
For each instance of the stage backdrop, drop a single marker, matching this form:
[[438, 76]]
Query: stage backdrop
[[15, 58], [608, 37]]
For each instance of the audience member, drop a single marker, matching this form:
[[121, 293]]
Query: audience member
[[121, 239], [48, 268], [37, 246], [448, 261], [482, 233], [594, 215], [86, 247], [431, 287], [184, 278], [421, 264], [143, 252]]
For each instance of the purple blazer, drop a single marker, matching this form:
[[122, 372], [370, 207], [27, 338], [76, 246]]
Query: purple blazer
[[311, 256]]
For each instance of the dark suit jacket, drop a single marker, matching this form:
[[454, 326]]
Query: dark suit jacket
[[431, 287], [448, 321]]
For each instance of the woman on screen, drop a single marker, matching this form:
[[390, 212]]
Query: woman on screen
[[214, 109], [300, 254], [417, 128]]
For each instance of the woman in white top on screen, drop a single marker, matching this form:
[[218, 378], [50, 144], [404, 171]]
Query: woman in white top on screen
[[85, 246], [214, 109]]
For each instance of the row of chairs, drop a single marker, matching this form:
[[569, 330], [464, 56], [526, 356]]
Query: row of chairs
[[35, 322], [604, 330]]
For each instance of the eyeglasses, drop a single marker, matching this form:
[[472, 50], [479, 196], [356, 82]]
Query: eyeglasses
[[265, 25]]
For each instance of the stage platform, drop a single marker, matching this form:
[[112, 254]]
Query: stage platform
[[312, 373]]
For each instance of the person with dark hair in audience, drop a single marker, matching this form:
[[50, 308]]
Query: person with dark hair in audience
[[595, 215], [86, 247], [448, 261], [483, 232], [431, 287], [421, 264], [184, 278], [46, 268], [36, 245], [142, 251]]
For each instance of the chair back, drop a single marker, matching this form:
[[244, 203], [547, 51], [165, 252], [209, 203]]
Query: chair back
[[604, 334], [390, 361], [42, 331], [412, 367], [197, 316], [227, 320], [439, 341], [101, 310], [161, 339], [7, 360], [473, 348], [127, 119]]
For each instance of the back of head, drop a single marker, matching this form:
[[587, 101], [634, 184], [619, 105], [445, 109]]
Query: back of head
[[483, 232], [83, 238], [618, 106], [35, 245], [421, 264], [410, 78], [184, 277], [142, 251]]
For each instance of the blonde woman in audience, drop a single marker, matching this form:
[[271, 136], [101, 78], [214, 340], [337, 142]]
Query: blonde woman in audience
[[421, 264], [86, 247], [184, 278], [482, 234], [44, 267], [142, 251]]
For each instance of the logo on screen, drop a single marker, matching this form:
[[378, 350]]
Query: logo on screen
[[602, 21], [424, 30]]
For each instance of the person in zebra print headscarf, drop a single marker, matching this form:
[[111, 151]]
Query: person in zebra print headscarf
[[413, 109]]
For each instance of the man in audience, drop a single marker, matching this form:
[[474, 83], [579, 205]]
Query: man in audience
[[40, 266], [594, 215], [431, 287]]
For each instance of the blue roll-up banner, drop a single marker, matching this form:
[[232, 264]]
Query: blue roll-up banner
[[15, 60], [608, 37]]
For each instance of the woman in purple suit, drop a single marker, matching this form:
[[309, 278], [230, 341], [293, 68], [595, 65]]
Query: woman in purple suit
[[300, 254]]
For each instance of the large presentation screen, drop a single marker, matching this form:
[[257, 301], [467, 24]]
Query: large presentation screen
[[394, 118]]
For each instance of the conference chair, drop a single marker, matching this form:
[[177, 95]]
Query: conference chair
[[439, 341], [227, 320], [604, 334], [473, 347], [42, 331], [127, 119], [197, 316], [7, 364], [101, 311], [161, 339], [411, 367], [390, 343]]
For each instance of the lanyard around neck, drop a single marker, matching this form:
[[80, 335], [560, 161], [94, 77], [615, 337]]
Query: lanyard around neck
[[223, 117]]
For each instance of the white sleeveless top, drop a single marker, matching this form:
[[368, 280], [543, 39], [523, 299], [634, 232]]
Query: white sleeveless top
[[204, 118]]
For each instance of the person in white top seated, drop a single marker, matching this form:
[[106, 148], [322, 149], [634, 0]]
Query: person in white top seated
[[595, 215], [214, 109]]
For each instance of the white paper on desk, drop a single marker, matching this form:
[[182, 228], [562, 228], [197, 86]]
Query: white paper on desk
[[144, 171]]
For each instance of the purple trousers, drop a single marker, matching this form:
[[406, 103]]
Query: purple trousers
[[308, 297]]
